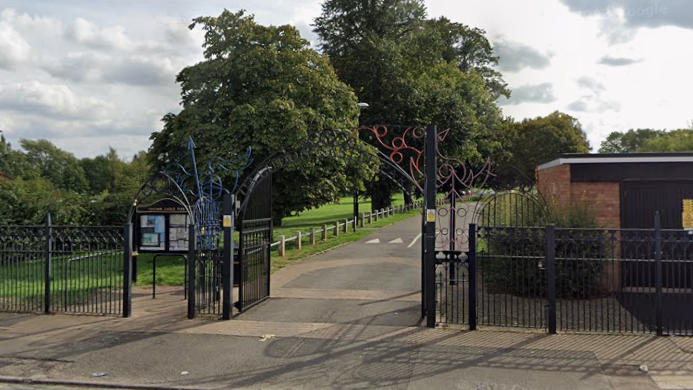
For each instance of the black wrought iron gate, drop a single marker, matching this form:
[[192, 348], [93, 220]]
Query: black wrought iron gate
[[255, 233]]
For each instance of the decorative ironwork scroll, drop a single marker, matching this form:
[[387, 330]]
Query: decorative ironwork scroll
[[208, 190], [404, 150]]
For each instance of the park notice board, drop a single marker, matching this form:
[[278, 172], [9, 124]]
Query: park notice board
[[162, 227]]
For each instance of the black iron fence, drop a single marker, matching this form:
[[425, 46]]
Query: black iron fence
[[64, 269], [562, 279]]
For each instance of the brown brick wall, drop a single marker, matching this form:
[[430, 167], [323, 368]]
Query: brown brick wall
[[554, 185], [603, 198]]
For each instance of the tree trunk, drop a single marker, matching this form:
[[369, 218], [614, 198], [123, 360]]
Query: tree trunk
[[276, 220], [381, 195], [407, 197]]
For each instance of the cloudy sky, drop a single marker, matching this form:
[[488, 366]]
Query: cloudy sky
[[91, 74]]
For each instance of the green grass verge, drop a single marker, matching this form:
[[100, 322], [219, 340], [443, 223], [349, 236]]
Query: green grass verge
[[327, 214], [170, 270], [76, 278], [308, 250]]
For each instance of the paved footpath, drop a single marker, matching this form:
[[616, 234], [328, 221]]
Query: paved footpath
[[346, 319]]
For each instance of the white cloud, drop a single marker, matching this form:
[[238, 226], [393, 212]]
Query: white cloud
[[89, 34], [35, 24], [515, 56], [539, 93], [52, 100], [176, 31], [141, 71], [136, 70], [591, 83], [14, 49], [617, 61]]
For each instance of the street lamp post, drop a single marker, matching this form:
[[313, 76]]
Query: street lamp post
[[362, 106]]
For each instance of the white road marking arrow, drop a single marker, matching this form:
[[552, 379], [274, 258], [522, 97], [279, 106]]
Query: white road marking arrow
[[376, 241], [396, 241], [414, 241]]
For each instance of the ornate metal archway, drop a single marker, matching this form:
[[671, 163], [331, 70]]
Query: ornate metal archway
[[201, 195]]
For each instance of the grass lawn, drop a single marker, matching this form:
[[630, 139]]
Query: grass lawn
[[76, 279], [340, 210], [170, 270]]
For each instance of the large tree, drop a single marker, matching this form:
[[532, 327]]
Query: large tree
[[103, 172], [46, 179], [28, 202], [628, 142], [265, 87], [543, 139], [414, 70], [58, 166], [671, 141], [14, 163]]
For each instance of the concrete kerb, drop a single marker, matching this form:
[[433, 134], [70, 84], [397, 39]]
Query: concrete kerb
[[86, 384]]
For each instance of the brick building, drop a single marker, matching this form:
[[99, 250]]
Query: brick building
[[624, 190]]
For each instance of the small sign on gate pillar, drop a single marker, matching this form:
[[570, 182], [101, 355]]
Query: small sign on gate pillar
[[687, 215], [430, 215]]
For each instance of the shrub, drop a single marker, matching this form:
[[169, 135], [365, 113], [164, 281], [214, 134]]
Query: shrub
[[514, 261]]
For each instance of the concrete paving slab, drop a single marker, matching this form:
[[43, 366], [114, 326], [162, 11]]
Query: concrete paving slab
[[385, 313]]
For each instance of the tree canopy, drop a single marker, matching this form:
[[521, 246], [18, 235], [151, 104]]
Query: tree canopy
[[671, 141], [261, 86], [628, 142], [415, 70], [648, 140], [45, 179], [543, 139]]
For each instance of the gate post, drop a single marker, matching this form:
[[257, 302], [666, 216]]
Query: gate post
[[227, 265], [423, 266], [551, 276], [127, 270], [192, 266], [430, 258], [472, 276], [658, 274], [49, 254]]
